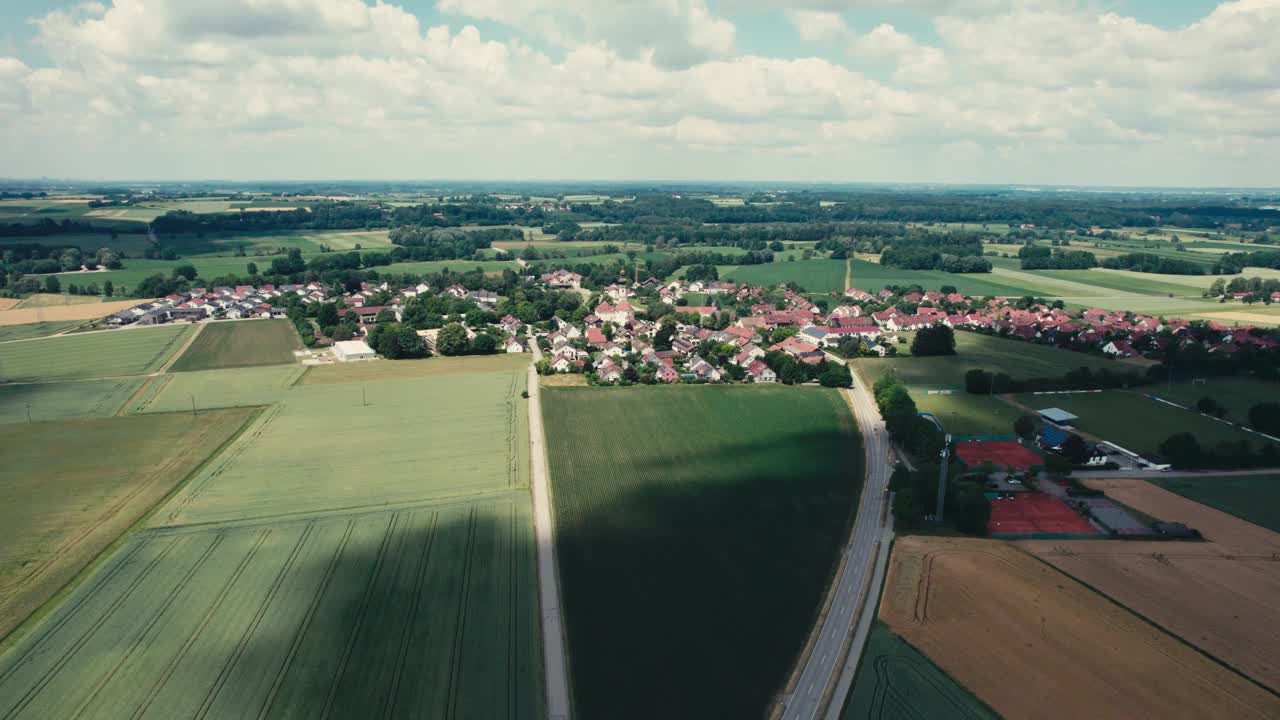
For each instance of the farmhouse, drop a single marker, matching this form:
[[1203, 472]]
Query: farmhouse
[[353, 350]]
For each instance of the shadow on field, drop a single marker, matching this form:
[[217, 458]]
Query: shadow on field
[[684, 597], [692, 599]]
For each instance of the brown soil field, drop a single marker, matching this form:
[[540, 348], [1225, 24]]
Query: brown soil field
[[1033, 643], [1223, 596], [8, 303], [86, 311]]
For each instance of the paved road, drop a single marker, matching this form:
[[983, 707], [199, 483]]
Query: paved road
[[837, 641], [553, 654]]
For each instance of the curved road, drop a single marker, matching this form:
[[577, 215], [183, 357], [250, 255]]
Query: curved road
[[837, 641]]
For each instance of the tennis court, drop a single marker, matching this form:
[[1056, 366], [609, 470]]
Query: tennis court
[[1000, 453], [1036, 515]]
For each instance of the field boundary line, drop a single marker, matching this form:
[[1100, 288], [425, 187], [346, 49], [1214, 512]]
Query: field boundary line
[[150, 624], [253, 624], [306, 623], [161, 381], [235, 448], [411, 619], [363, 611], [1157, 626], [168, 362], [84, 637]]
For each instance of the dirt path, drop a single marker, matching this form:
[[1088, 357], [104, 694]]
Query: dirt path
[[555, 661], [848, 274], [174, 357]]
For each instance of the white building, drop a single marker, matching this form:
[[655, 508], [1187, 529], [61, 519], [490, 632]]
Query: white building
[[352, 350]]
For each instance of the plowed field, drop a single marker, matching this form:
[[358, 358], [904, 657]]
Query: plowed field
[[1222, 596], [1033, 643]]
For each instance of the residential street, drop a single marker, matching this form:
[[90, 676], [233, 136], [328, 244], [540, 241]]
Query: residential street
[[837, 642], [553, 654]]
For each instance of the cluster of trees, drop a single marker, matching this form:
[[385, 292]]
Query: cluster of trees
[[916, 495], [1184, 451], [46, 227], [1148, 263], [1040, 257], [453, 340], [950, 252], [433, 243], [1234, 263], [791, 371], [1259, 289], [982, 382], [35, 259], [914, 433], [934, 340]]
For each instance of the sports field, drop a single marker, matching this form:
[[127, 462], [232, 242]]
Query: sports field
[[421, 612], [79, 399], [348, 447], [1255, 498], [1221, 596], [819, 276], [995, 354], [660, 493], [35, 330], [112, 353], [69, 489], [963, 414], [896, 681], [240, 343], [1134, 421], [1030, 641], [216, 388], [1237, 395]]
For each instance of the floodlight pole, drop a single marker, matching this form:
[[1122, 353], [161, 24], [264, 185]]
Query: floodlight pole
[[28, 413], [942, 480]]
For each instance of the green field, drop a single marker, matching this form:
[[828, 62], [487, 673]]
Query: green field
[[1135, 422], [36, 330], [69, 489], [895, 680], [136, 270], [453, 266], [410, 439], [1237, 395], [1255, 498], [963, 414], [360, 372], [238, 387], [240, 343], [65, 400], [819, 276], [1017, 358], [421, 612], [872, 277], [133, 351], [660, 494]]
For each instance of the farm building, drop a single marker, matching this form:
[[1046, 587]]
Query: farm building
[[1057, 416], [352, 350]]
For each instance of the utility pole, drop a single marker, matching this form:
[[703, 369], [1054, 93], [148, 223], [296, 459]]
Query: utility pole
[[28, 413], [364, 399], [942, 480], [193, 405]]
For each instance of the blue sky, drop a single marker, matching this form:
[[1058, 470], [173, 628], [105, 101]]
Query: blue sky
[[1105, 92]]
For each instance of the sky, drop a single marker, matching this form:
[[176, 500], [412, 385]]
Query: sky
[[1054, 92]]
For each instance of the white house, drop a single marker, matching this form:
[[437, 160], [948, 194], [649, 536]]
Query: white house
[[513, 346], [352, 350]]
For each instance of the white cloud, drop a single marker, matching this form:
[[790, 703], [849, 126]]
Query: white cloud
[[1044, 92]]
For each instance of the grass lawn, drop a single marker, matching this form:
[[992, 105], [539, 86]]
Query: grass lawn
[[1255, 498], [36, 330], [697, 529], [1135, 422], [347, 447], [133, 351], [963, 414], [1237, 395], [69, 489], [66, 400], [1017, 358], [895, 680], [812, 275], [240, 343]]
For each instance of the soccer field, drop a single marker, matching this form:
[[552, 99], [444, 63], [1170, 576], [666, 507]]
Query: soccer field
[[240, 343], [112, 353], [660, 494]]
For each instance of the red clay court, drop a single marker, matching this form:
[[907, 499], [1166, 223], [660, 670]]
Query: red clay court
[[1035, 514], [1001, 454]]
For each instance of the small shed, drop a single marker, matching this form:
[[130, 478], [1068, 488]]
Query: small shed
[[1057, 416]]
